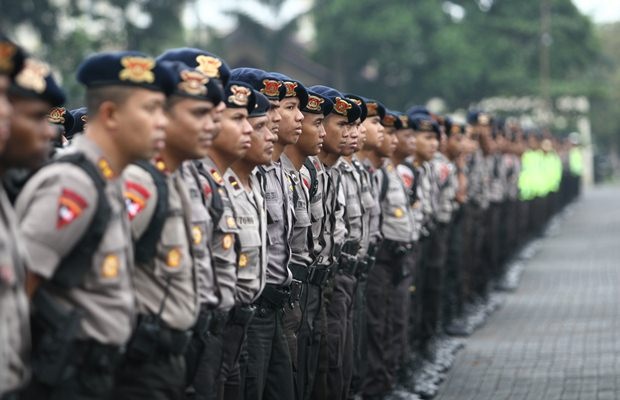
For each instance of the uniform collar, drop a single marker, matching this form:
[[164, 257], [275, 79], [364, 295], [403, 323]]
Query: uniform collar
[[94, 153]]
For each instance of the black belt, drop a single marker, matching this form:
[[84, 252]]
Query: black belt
[[211, 322], [315, 275], [274, 296], [170, 340], [92, 353]]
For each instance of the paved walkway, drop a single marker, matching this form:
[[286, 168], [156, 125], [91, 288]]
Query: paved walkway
[[558, 335]]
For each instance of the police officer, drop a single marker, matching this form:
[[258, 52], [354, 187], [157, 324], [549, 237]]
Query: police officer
[[33, 94], [14, 318], [251, 216], [328, 231], [308, 208], [63, 121], [165, 276], [72, 214], [269, 368], [389, 279], [80, 119], [339, 308]]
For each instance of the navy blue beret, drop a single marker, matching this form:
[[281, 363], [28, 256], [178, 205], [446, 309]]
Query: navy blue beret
[[193, 83], [361, 103], [125, 68], [261, 106], [293, 87], [80, 119], [35, 80], [318, 104], [478, 117], [424, 123], [418, 110], [375, 109], [239, 95], [342, 105], [60, 116], [12, 57], [390, 119], [453, 128], [212, 66], [261, 81]]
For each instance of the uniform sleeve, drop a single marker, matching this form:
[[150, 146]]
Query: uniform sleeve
[[141, 198], [54, 210]]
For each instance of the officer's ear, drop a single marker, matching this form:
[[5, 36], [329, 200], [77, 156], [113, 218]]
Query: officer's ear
[[105, 103]]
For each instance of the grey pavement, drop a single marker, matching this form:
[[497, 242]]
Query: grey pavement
[[558, 335]]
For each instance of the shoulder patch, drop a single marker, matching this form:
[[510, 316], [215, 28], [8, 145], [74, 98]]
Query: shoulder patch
[[70, 207], [136, 196]]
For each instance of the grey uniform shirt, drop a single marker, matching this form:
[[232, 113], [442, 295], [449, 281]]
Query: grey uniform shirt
[[353, 201], [224, 233], [327, 210], [478, 180], [513, 170], [397, 220], [497, 177], [278, 198], [251, 216], [201, 229], [55, 209], [14, 316], [367, 202], [168, 281], [301, 239], [374, 222], [420, 180], [447, 185]]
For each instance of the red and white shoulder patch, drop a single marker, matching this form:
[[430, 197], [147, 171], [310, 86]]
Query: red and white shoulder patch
[[70, 206], [136, 197]]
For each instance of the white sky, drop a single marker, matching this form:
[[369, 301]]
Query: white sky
[[600, 10]]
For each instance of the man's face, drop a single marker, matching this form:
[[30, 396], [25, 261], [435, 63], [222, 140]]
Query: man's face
[[388, 144], [336, 133], [5, 112], [454, 146], [361, 140], [217, 117], [374, 132], [141, 123], [30, 141], [406, 143], [352, 142], [262, 141], [313, 132], [274, 116], [191, 129], [235, 138], [426, 145], [290, 125]]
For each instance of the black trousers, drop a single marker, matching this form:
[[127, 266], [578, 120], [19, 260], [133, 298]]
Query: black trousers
[[267, 368], [229, 380], [308, 340], [388, 310], [432, 296], [453, 288], [340, 336], [162, 378], [360, 342]]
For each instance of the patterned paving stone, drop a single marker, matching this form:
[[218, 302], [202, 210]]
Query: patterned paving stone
[[558, 335]]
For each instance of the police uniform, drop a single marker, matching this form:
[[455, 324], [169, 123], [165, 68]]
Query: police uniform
[[14, 314], [251, 216], [14, 317], [165, 286], [95, 315], [388, 285], [72, 215]]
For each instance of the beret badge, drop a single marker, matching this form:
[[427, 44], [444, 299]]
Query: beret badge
[[239, 95], [137, 69], [389, 120], [57, 115], [32, 77], [7, 50], [342, 107], [425, 125], [404, 120], [209, 66], [193, 83], [290, 88], [271, 88], [373, 109], [314, 103]]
